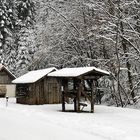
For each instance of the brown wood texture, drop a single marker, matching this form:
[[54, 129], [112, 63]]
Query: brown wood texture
[[44, 91]]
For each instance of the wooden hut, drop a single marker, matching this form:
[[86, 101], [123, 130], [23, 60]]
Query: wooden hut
[[77, 83], [36, 88], [6, 86]]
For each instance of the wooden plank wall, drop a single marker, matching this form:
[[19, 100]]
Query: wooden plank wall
[[53, 91], [45, 91]]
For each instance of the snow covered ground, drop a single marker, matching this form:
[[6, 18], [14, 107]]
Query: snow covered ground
[[47, 122]]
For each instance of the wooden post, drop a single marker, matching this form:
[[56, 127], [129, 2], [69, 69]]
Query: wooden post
[[75, 104], [63, 101], [64, 90], [93, 90], [79, 95], [75, 98], [78, 98]]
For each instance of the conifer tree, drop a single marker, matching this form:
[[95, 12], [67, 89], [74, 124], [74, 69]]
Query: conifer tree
[[16, 19]]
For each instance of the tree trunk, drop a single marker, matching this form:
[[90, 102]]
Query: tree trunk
[[128, 65]]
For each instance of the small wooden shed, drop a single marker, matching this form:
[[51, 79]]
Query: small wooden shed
[[35, 87], [77, 83], [6, 86]]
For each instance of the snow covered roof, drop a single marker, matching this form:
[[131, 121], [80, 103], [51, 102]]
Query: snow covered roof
[[75, 72], [33, 76], [8, 71]]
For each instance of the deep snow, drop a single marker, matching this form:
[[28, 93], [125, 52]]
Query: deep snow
[[47, 122]]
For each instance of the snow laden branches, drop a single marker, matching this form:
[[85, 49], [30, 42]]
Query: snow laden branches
[[70, 33], [16, 17], [105, 34]]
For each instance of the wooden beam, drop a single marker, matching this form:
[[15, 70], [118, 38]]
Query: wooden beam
[[91, 77]]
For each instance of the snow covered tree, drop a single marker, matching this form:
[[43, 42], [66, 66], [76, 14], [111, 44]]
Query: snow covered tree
[[16, 19], [120, 16], [25, 11], [99, 33], [23, 41], [7, 23]]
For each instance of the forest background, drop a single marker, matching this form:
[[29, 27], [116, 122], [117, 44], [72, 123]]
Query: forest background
[[36, 34]]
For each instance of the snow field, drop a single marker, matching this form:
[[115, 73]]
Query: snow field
[[47, 122]]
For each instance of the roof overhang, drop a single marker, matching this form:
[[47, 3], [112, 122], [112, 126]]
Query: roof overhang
[[79, 72]]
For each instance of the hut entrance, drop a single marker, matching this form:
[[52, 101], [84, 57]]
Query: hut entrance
[[52, 90]]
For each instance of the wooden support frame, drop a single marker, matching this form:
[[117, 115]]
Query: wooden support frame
[[92, 97], [77, 92], [64, 90], [63, 101], [75, 104], [79, 95], [93, 93], [75, 101]]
